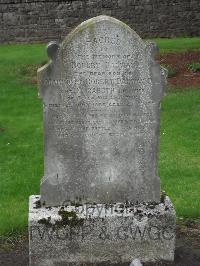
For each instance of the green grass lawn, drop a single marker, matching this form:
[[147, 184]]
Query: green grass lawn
[[21, 138], [178, 45], [179, 158]]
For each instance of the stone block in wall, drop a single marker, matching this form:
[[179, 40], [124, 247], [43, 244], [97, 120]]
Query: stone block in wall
[[24, 14]]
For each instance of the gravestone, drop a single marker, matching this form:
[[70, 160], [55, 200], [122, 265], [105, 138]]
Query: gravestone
[[101, 94]]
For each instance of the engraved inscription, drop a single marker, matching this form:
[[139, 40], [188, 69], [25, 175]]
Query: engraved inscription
[[101, 95]]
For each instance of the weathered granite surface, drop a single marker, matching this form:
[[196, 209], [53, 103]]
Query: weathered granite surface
[[106, 234], [101, 94], [100, 198]]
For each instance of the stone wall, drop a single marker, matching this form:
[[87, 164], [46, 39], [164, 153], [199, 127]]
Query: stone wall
[[45, 20]]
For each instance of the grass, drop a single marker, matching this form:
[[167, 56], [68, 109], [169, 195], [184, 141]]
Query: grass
[[195, 67], [178, 45], [171, 71], [179, 158], [21, 162], [21, 140]]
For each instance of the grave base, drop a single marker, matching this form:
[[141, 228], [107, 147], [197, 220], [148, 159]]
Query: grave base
[[101, 234]]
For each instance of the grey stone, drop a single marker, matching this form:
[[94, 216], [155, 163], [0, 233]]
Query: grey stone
[[136, 262], [92, 234], [101, 93], [100, 195], [19, 18], [52, 49]]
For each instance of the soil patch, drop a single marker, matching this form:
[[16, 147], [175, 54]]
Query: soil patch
[[184, 77]]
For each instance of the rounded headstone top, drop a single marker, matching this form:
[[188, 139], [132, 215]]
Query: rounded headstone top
[[99, 19]]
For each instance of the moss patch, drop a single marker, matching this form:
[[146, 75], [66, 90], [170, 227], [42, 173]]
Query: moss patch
[[69, 218]]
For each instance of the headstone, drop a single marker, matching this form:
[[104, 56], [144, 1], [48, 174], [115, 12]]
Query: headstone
[[100, 194], [101, 96]]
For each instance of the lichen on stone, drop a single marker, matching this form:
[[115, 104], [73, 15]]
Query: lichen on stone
[[68, 218]]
